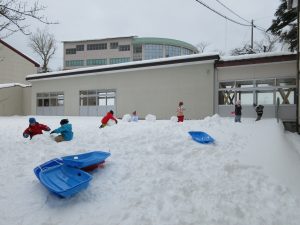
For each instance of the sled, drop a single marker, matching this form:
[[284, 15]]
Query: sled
[[47, 165], [64, 181], [201, 137], [86, 160]]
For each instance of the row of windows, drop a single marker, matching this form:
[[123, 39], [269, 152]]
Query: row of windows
[[50, 99], [97, 98], [93, 62], [98, 46], [258, 91]]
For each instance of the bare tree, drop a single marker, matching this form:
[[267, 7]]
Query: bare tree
[[14, 15], [202, 46], [268, 44], [44, 44]]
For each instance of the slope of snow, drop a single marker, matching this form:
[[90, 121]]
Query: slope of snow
[[157, 174]]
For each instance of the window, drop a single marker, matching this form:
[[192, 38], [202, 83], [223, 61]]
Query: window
[[97, 97], [50, 99], [70, 63], [286, 82], [98, 46], [92, 62], [286, 95], [265, 97], [226, 97], [137, 49], [70, 51], [244, 84], [246, 97], [172, 51], [153, 51], [118, 60], [124, 48], [186, 51], [227, 85], [265, 83], [114, 45], [79, 47]]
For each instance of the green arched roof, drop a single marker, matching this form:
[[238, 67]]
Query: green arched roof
[[163, 41]]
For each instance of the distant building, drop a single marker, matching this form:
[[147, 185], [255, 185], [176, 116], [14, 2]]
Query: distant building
[[15, 91], [86, 53]]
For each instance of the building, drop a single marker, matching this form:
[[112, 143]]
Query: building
[[206, 84], [15, 91], [87, 53]]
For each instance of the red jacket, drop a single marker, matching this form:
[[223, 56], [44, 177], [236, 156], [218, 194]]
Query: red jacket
[[35, 129], [106, 118]]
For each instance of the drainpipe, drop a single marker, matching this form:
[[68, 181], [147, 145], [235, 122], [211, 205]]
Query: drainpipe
[[298, 68]]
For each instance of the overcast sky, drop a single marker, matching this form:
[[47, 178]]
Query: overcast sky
[[185, 20]]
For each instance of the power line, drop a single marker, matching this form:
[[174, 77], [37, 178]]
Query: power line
[[220, 14], [232, 11]]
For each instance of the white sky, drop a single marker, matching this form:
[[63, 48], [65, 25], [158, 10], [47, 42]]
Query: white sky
[[185, 20]]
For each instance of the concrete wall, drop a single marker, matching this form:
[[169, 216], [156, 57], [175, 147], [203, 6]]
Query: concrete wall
[[156, 90], [13, 67], [11, 101]]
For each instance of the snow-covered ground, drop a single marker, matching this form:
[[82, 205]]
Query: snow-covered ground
[[157, 175]]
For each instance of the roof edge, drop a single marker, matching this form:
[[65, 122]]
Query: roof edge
[[19, 53]]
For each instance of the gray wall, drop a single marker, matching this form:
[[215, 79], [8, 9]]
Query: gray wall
[[156, 90]]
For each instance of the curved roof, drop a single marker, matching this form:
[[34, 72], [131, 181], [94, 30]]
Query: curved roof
[[164, 41]]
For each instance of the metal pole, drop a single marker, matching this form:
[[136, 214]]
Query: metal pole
[[298, 68], [252, 25]]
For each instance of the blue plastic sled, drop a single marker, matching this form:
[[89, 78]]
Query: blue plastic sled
[[201, 137], [85, 159], [64, 181], [65, 177]]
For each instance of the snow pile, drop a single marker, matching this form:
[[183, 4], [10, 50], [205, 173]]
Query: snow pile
[[174, 119], [150, 118], [157, 174], [126, 118]]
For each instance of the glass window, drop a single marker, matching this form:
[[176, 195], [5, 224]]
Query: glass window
[[83, 101], [137, 49], [244, 84], [79, 47], [92, 100], [70, 63], [153, 51], [186, 51], [40, 102], [227, 85], [110, 101], [265, 83], [124, 48], [53, 102], [46, 102], [118, 60], [265, 97], [226, 97], [286, 82], [246, 97], [98, 46], [91, 62], [70, 51], [172, 51], [286, 96], [114, 45]]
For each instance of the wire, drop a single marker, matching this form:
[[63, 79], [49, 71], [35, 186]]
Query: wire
[[220, 14], [232, 11]]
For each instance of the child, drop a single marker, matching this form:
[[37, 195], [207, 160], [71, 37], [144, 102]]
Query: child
[[65, 130], [259, 110], [238, 111], [107, 117], [134, 117], [34, 128], [180, 110]]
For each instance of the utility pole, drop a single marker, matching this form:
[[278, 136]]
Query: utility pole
[[252, 25]]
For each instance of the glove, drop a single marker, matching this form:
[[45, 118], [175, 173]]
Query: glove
[[25, 135], [51, 132], [48, 129], [116, 121]]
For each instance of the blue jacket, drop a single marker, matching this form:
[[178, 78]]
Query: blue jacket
[[66, 131]]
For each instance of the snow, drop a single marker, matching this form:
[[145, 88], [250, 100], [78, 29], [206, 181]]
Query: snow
[[157, 175], [13, 85], [125, 64], [150, 118], [255, 56]]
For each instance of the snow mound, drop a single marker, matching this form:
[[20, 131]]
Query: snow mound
[[150, 118], [126, 118], [174, 119]]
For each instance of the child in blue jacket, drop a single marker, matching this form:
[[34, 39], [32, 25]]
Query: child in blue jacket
[[65, 130]]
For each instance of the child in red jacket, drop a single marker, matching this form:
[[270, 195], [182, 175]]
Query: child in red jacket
[[34, 128], [105, 119]]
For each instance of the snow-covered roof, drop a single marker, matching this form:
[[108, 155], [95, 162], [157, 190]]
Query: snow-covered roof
[[255, 56], [13, 85], [129, 65]]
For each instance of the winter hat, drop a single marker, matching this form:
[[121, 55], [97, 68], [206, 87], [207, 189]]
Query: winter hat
[[238, 102], [112, 112], [32, 120], [64, 121]]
